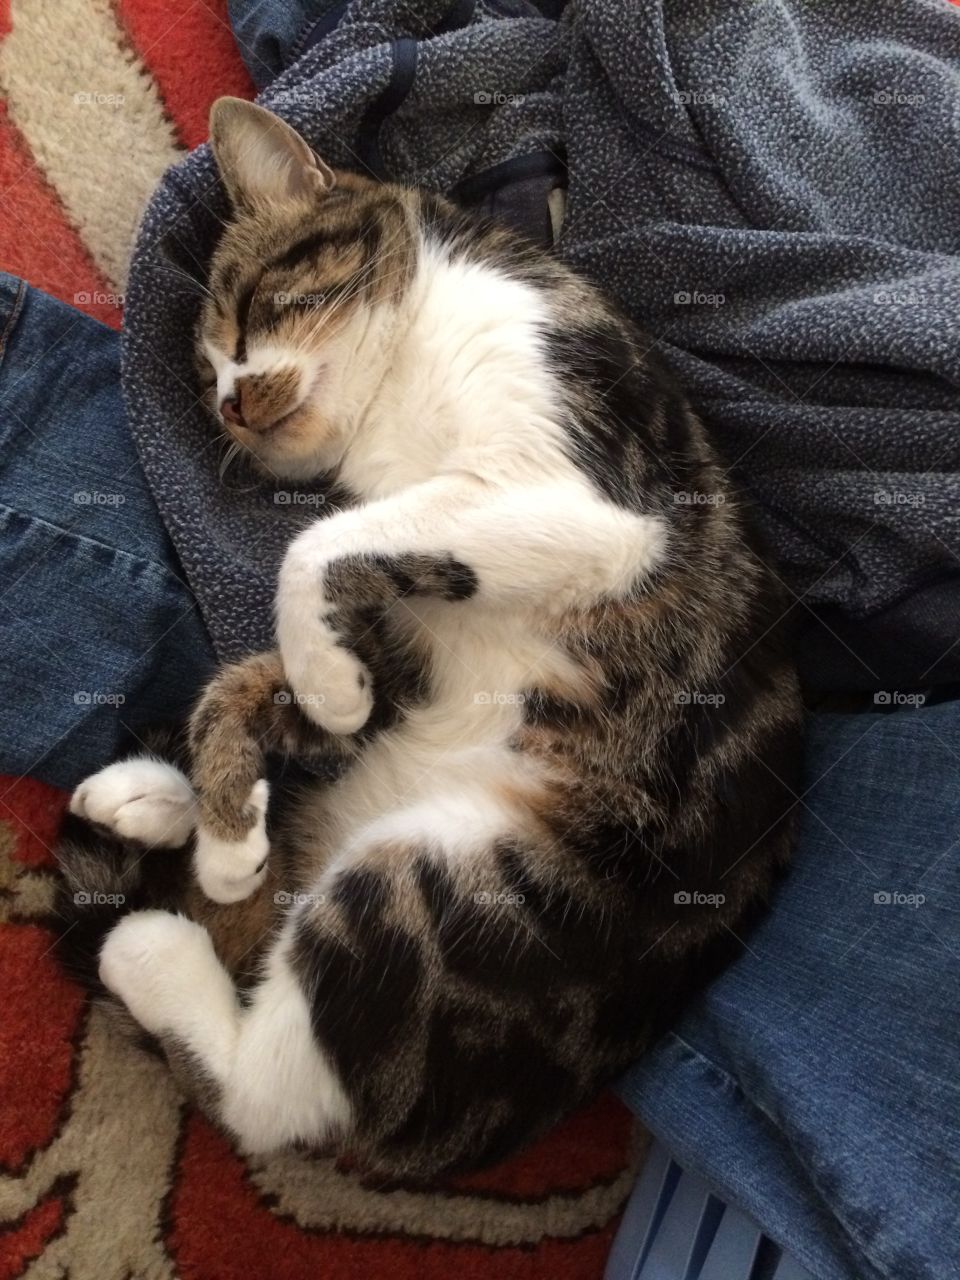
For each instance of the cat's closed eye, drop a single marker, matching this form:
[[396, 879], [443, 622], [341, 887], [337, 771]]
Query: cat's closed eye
[[206, 374]]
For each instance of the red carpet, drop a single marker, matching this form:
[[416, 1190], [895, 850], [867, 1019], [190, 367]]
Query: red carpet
[[104, 1173]]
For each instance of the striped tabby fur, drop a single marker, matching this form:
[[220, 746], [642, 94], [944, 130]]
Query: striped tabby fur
[[542, 649]]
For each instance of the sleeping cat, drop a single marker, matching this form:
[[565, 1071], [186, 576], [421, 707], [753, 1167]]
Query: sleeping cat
[[540, 642]]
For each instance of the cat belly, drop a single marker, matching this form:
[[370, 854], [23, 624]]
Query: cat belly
[[449, 771]]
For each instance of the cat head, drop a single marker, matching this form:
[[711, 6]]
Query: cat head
[[303, 287]]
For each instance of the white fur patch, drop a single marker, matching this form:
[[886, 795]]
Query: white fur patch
[[333, 687], [230, 870], [282, 1088], [164, 969], [277, 1085], [140, 799]]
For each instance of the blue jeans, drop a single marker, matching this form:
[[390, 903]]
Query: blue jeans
[[270, 33], [99, 634], [814, 1085]]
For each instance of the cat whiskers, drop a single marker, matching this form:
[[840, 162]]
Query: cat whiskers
[[196, 285], [230, 455]]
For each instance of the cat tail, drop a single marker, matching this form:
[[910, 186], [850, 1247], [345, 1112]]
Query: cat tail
[[105, 877]]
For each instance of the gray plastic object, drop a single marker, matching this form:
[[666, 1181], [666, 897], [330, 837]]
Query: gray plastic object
[[675, 1228]]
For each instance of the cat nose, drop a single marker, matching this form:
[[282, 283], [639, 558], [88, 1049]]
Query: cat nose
[[230, 411]]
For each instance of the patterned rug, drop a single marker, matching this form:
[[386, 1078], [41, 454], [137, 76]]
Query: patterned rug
[[104, 1173]]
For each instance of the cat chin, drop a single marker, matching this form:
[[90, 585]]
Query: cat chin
[[273, 462], [294, 449]]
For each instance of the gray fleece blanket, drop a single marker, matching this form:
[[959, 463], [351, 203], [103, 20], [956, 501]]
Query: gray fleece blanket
[[772, 190]]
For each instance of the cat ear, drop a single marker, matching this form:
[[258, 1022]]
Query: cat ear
[[261, 159]]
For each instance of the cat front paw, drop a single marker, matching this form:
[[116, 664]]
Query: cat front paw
[[153, 961], [331, 686], [231, 870], [140, 799]]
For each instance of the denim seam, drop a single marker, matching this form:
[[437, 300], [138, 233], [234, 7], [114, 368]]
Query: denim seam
[[852, 1234], [154, 565]]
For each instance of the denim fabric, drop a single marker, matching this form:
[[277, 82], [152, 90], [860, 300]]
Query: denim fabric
[[269, 33], [98, 633], [817, 1084]]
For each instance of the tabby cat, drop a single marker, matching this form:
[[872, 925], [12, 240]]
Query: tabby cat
[[539, 640]]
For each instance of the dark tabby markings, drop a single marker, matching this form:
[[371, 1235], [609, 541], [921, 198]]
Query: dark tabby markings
[[467, 1003], [243, 312], [543, 708], [367, 579], [366, 233], [245, 712], [361, 980], [229, 275], [618, 391], [306, 249], [508, 1066], [378, 1001], [400, 672], [306, 296]]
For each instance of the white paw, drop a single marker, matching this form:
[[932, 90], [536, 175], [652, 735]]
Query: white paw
[[141, 799], [332, 687], [153, 961], [230, 870]]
